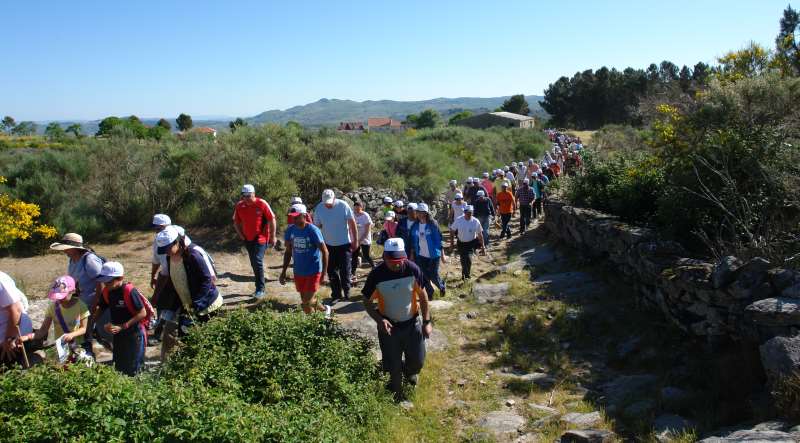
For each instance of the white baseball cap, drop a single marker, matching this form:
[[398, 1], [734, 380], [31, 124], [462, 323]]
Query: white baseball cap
[[167, 237], [453, 182], [505, 184], [412, 206], [296, 200], [485, 175], [481, 193], [387, 199], [298, 209], [328, 196], [468, 208], [422, 207], [459, 196], [394, 249], [398, 203], [248, 189], [110, 271], [161, 220], [389, 215], [526, 181]]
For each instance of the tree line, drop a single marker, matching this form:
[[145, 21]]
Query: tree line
[[591, 99]]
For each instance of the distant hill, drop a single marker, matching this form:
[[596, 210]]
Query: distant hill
[[329, 112]]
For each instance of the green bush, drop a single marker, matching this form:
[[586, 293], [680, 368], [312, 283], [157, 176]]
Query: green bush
[[101, 186], [243, 377]]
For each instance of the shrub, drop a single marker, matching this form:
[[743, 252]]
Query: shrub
[[243, 377]]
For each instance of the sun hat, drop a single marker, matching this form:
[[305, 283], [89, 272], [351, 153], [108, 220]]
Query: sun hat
[[298, 209], [166, 238], [398, 203], [387, 199], [481, 193], [248, 189], [469, 208], [328, 196], [422, 207], [412, 206], [70, 240], [459, 196], [161, 220], [389, 215], [62, 286], [394, 249], [110, 271], [295, 200]]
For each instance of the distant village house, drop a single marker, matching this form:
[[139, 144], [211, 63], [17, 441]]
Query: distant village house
[[351, 127], [498, 119], [384, 124]]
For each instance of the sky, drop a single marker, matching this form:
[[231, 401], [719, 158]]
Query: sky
[[90, 59]]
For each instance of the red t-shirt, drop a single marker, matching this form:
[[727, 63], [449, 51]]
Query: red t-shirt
[[253, 217]]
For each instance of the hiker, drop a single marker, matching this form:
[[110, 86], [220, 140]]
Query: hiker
[[451, 192], [387, 205], [506, 206], [306, 248], [472, 191], [338, 225], [403, 222], [84, 266], [396, 285], [364, 228], [484, 212], [426, 250], [538, 187], [165, 298], [456, 208], [127, 309], [389, 228], [488, 186], [289, 218], [69, 316], [469, 234], [14, 323], [526, 198], [254, 222], [499, 178]]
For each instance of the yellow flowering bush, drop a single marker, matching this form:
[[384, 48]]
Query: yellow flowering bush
[[18, 220]]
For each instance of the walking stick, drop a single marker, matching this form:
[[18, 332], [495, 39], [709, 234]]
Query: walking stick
[[24, 353]]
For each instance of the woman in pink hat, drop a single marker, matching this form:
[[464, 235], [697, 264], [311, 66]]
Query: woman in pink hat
[[68, 314]]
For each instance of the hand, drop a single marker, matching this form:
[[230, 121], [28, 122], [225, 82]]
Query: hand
[[153, 282], [322, 277], [271, 244], [353, 246], [444, 259], [426, 330], [282, 278], [483, 250], [68, 337], [385, 326], [8, 351], [113, 329]]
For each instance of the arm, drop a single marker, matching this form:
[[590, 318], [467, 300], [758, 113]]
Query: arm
[[116, 329], [427, 327], [324, 250], [81, 330], [7, 351], [287, 257], [272, 227], [153, 270], [41, 333], [351, 225], [237, 225]]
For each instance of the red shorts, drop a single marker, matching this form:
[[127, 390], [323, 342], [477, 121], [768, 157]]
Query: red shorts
[[307, 283]]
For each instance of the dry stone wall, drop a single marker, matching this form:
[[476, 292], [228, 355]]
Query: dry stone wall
[[727, 300]]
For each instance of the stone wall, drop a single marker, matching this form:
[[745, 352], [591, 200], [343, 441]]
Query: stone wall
[[753, 301]]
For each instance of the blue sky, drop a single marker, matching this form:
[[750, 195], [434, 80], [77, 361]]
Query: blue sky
[[89, 59]]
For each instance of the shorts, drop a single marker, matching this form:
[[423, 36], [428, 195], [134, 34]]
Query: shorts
[[307, 283]]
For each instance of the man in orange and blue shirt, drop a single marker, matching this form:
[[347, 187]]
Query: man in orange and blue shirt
[[397, 287]]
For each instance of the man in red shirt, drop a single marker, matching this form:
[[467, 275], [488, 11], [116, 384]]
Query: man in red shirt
[[255, 223]]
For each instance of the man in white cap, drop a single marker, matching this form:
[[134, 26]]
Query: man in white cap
[[255, 224], [397, 287], [456, 208], [484, 211], [526, 198], [337, 222], [488, 185], [84, 266], [306, 248], [160, 221], [469, 233]]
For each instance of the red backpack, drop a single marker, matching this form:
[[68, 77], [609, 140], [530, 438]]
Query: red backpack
[[148, 319]]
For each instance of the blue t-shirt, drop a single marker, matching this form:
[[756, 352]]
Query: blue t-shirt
[[306, 255], [333, 222], [85, 272]]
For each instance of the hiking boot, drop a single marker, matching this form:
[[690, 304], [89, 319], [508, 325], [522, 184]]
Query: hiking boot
[[412, 379]]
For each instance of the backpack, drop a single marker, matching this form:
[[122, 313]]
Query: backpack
[[147, 321]]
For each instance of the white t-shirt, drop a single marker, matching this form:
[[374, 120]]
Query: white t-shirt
[[9, 294], [363, 221], [423, 241], [458, 210], [467, 229]]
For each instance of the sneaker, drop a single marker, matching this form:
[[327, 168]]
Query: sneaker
[[258, 295], [328, 311], [413, 379]]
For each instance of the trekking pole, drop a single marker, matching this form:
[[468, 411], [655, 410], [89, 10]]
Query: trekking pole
[[24, 353]]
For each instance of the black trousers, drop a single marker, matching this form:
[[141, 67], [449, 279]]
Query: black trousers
[[538, 211], [340, 260], [465, 251], [525, 217], [402, 353], [363, 252], [505, 219]]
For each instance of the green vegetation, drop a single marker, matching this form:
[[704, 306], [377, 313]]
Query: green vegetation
[[99, 186], [244, 377], [428, 118], [517, 105], [184, 122]]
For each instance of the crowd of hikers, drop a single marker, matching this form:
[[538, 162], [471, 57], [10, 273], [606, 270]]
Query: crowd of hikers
[[93, 301]]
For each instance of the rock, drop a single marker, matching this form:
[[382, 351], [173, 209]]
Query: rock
[[542, 409], [461, 383], [668, 425], [439, 305], [538, 378], [588, 436], [527, 438], [570, 284], [751, 436], [437, 341], [783, 278], [780, 311], [674, 398], [540, 256], [725, 272], [771, 426], [472, 315], [628, 347], [511, 267], [490, 293], [582, 421], [460, 404], [510, 402], [37, 310], [627, 387], [503, 425], [407, 405], [640, 409], [792, 291]]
